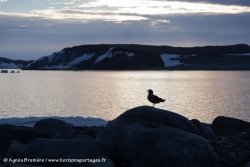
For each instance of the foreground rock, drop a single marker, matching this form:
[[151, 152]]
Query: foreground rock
[[229, 126], [63, 150], [143, 136], [146, 136], [18, 150], [21, 134], [233, 150], [54, 127]]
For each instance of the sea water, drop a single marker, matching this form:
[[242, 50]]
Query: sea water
[[81, 96]]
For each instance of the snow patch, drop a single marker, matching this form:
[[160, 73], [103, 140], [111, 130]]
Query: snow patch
[[70, 64], [50, 58], [80, 59], [9, 65], [60, 52], [121, 52], [166, 58], [107, 54], [129, 54], [77, 121]]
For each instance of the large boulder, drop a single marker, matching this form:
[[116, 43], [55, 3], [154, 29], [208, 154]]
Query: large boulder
[[150, 137], [54, 126], [19, 133], [18, 150], [247, 135], [71, 149], [209, 134], [229, 126], [87, 130]]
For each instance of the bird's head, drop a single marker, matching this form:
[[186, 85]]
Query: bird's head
[[150, 91]]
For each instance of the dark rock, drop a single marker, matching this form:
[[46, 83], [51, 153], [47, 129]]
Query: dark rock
[[224, 139], [147, 136], [233, 157], [87, 130], [229, 126], [240, 135], [16, 149], [86, 165], [205, 124], [240, 141], [7, 155], [229, 146], [247, 135], [209, 134], [91, 131], [247, 164], [105, 162], [232, 150], [224, 161], [54, 127], [72, 137], [198, 125], [19, 133], [68, 149]]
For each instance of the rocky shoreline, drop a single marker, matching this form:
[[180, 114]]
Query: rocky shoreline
[[143, 137]]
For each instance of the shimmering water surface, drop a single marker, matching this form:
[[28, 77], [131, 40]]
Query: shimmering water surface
[[194, 94]]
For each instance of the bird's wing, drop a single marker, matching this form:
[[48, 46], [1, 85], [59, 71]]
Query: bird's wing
[[158, 99]]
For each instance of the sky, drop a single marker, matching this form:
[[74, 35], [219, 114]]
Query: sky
[[30, 29]]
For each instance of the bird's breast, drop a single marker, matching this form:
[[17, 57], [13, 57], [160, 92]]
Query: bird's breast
[[151, 99]]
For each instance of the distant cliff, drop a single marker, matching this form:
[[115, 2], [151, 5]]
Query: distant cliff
[[12, 64], [146, 57]]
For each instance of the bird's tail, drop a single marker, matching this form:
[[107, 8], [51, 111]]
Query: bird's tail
[[162, 100]]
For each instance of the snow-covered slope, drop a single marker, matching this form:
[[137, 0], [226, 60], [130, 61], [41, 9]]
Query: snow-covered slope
[[69, 64], [12, 64], [69, 59]]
